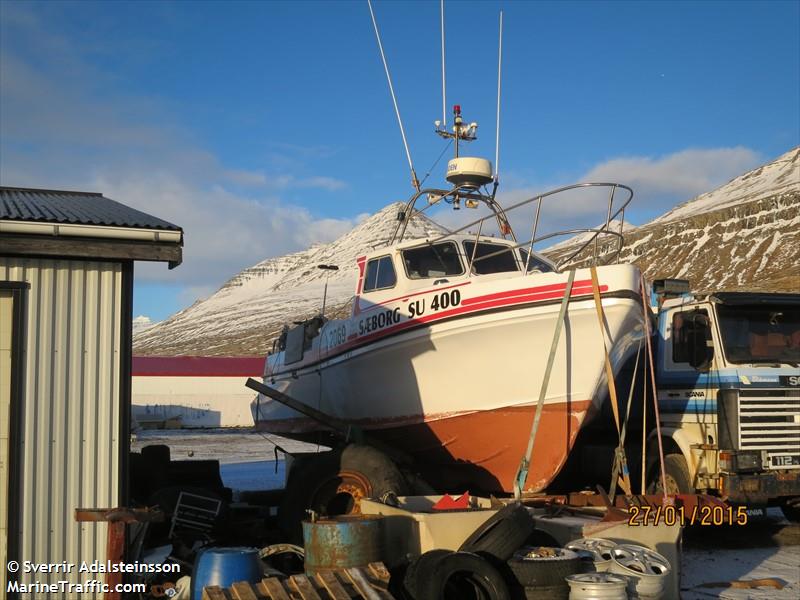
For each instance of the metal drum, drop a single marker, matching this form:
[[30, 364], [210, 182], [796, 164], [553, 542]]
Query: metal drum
[[223, 567], [597, 586], [342, 542], [595, 553], [645, 570]]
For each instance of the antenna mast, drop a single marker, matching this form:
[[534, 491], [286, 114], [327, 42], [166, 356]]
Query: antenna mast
[[414, 180], [444, 85], [497, 124]]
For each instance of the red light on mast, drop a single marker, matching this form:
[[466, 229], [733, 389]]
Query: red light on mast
[[457, 109]]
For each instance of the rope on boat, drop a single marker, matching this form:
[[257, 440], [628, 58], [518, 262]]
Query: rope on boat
[[619, 456], [522, 472]]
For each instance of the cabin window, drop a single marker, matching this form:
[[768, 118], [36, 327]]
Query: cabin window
[[433, 260], [691, 338], [380, 274], [491, 258], [535, 263]]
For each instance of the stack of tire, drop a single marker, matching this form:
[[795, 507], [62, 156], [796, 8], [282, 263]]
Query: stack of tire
[[493, 564]]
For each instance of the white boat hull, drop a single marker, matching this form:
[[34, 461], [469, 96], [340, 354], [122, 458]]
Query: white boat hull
[[462, 389]]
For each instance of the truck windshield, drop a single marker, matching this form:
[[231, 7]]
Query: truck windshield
[[766, 334]]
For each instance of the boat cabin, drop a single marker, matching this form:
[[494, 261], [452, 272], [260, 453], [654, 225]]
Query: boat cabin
[[417, 264]]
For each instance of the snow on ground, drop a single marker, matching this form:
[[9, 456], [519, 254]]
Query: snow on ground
[[703, 566]]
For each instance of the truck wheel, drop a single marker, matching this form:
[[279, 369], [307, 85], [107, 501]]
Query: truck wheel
[[791, 509], [333, 483], [677, 474]]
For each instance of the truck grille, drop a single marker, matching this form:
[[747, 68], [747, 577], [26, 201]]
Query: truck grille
[[770, 421]]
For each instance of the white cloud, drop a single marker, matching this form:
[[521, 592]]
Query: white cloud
[[63, 125], [679, 176]]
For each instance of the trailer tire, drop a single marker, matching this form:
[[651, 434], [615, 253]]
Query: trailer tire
[[677, 473], [459, 575], [502, 533], [333, 483]]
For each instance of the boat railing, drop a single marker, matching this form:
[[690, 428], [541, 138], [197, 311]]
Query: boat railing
[[619, 196]]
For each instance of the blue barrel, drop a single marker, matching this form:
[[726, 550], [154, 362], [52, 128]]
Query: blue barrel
[[342, 542], [223, 567]]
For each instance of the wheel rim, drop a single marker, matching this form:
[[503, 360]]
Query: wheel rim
[[640, 560], [598, 549], [341, 494]]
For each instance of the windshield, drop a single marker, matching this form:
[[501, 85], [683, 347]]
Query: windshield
[[434, 260], [490, 258], [534, 262], [767, 334]]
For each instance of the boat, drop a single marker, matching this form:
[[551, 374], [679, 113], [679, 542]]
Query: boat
[[444, 351]]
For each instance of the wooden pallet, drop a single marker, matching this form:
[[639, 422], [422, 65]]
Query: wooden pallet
[[369, 583]]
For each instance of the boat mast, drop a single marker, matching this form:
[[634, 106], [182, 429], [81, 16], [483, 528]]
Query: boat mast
[[414, 180]]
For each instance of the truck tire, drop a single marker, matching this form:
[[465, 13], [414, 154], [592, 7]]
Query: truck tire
[[460, 575], [502, 533], [791, 510], [677, 473], [333, 483]]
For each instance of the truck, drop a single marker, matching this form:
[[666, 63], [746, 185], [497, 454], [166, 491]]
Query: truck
[[727, 368]]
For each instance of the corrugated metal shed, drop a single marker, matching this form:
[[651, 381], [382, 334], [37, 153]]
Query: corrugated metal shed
[[84, 208], [71, 426]]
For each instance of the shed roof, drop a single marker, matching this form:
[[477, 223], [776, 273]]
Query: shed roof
[[79, 208]]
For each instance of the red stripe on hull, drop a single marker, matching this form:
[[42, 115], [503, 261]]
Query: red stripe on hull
[[476, 451]]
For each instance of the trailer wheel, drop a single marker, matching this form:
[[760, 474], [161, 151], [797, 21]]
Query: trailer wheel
[[333, 483], [677, 475], [502, 533]]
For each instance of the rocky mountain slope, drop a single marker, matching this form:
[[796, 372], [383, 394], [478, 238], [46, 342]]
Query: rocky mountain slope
[[743, 235], [248, 312]]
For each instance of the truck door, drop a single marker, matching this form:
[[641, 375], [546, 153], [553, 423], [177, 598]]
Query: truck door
[[688, 379]]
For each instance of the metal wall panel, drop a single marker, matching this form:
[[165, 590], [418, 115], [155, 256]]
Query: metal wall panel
[[71, 419]]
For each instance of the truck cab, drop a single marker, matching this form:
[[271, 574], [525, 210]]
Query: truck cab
[[728, 379]]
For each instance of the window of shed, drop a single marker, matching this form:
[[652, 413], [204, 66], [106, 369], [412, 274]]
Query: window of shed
[[380, 274], [491, 258], [434, 260]]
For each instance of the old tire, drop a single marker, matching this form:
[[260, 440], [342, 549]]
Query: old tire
[[461, 576], [421, 569], [545, 573], [502, 533], [333, 483], [677, 473]]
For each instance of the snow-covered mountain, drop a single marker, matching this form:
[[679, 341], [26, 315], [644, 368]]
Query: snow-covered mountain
[[780, 176], [743, 235], [247, 312]]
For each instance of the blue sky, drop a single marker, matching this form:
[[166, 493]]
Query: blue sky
[[262, 127]]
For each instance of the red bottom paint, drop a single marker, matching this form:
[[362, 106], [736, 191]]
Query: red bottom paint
[[478, 451]]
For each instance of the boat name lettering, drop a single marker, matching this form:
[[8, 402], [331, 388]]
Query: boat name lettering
[[379, 321], [439, 302], [337, 335]]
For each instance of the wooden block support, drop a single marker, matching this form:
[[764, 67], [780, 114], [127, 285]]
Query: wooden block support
[[368, 583]]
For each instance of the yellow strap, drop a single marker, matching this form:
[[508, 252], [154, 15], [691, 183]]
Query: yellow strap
[[612, 387]]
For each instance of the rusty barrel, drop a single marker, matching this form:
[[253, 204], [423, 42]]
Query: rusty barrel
[[341, 542]]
